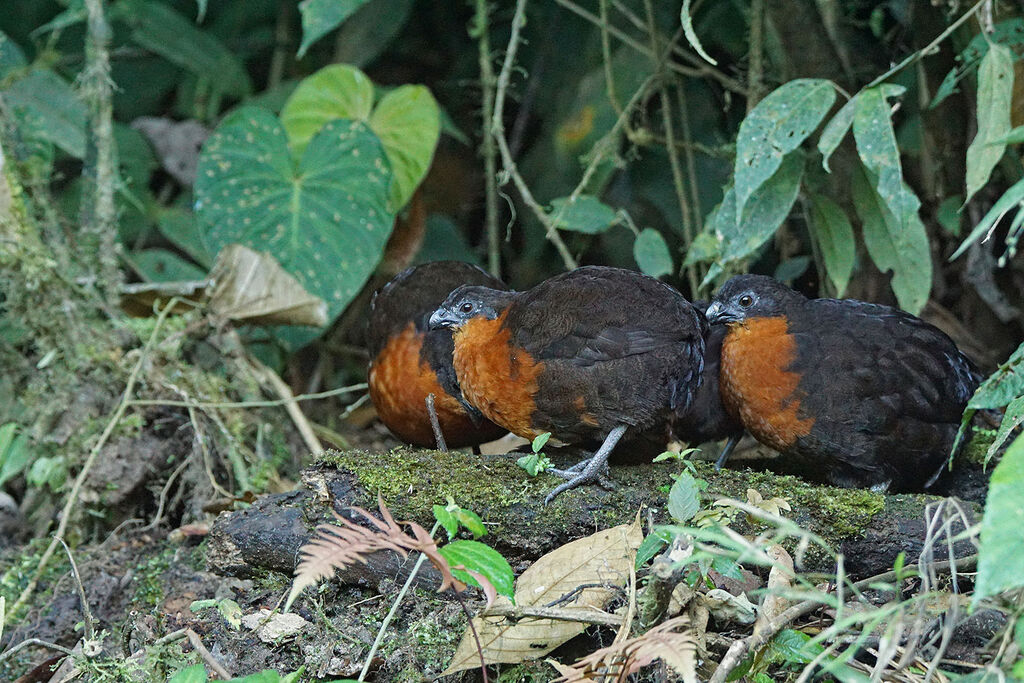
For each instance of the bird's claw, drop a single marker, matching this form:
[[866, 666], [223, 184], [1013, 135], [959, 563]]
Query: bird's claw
[[585, 472]]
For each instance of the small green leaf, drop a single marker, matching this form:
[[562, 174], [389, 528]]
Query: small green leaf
[[793, 646], [14, 452], [11, 56], [472, 522], [1013, 198], [892, 245], [483, 560], [652, 545], [691, 35], [1001, 553], [44, 107], [1002, 386], [231, 611], [791, 268], [705, 246], [1014, 137], [1012, 418], [161, 265], [948, 214], [182, 230], [447, 520], [995, 100], [193, 674], [338, 91], [651, 253], [684, 498], [835, 237], [777, 126], [835, 131], [534, 463], [320, 17], [1009, 33], [540, 441], [48, 471], [587, 214]]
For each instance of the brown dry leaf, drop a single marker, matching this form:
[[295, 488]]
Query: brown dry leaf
[[672, 642], [252, 286], [604, 557], [780, 578]]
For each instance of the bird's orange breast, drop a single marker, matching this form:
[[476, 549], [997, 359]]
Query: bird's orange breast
[[399, 384], [757, 384], [495, 376]]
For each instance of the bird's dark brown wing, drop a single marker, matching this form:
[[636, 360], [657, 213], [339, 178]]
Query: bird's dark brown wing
[[887, 390], [707, 419], [617, 348]]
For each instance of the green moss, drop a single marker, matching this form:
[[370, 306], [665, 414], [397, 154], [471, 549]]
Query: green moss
[[977, 448], [149, 588]]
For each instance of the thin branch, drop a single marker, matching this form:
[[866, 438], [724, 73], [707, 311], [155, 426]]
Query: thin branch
[[487, 83], [14, 649], [435, 424], [207, 656], [576, 614], [498, 131], [755, 75], [249, 404], [76, 488], [87, 618]]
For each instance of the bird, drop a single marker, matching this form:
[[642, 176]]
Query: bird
[[853, 394], [585, 356], [409, 361]]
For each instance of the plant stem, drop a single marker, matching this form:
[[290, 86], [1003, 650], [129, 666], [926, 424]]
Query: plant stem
[[490, 154]]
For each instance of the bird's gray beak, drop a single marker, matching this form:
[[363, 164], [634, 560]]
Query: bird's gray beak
[[442, 317], [715, 312]]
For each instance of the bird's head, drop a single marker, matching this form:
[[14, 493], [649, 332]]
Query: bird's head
[[468, 302], [750, 296]]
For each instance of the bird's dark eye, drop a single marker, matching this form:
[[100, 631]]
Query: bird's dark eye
[[746, 300], [466, 307]]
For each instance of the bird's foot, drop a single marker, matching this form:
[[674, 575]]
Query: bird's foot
[[584, 472]]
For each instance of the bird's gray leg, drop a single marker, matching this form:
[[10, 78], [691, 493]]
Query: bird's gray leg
[[726, 452], [593, 467]]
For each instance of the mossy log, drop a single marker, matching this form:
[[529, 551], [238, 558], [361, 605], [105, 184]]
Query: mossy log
[[869, 528]]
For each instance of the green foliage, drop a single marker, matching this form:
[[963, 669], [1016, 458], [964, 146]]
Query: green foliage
[[475, 558], [684, 498], [48, 109], [1009, 33], [536, 462], [1001, 553], [320, 17], [452, 517], [835, 237], [324, 218], [197, 674], [584, 214], [15, 454], [406, 119], [651, 253], [1012, 199], [995, 100]]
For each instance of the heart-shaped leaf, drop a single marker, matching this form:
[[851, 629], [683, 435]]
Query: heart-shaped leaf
[[325, 218], [407, 120]]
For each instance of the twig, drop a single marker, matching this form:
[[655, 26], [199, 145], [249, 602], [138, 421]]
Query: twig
[[294, 411], [755, 75], [476, 636], [498, 131], [487, 83], [65, 514], [250, 404], [394, 609], [197, 643], [98, 211], [87, 618], [33, 641], [435, 424], [163, 495], [578, 614]]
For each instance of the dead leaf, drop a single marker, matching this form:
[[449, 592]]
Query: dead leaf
[[604, 557], [728, 608], [780, 579], [275, 628], [252, 286]]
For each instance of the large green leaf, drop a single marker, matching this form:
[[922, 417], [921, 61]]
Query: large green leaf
[[157, 27], [338, 91], [893, 247], [899, 241], [763, 214], [46, 108], [320, 17], [407, 120], [835, 236], [325, 219], [480, 559], [14, 452], [1001, 553], [11, 56], [777, 125], [684, 498], [1009, 33], [995, 100], [651, 253], [835, 131]]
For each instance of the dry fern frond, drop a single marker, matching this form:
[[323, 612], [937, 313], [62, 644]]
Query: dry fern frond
[[678, 649], [336, 546]]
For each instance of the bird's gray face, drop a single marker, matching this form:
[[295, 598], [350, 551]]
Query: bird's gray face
[[460, 306], [732, 309]]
